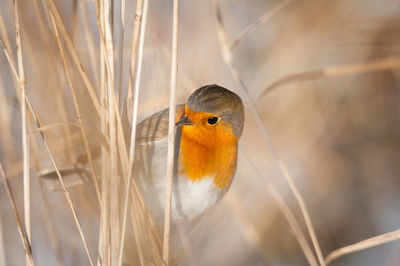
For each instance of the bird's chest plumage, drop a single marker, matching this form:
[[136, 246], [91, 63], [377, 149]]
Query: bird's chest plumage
[[194, 185]]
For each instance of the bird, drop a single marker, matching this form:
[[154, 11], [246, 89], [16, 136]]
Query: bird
[[209, 126]]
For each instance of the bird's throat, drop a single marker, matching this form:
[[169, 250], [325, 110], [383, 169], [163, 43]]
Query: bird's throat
[[199, 159]]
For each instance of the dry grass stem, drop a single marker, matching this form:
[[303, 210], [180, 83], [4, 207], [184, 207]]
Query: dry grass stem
[[171, 132], [112, 136], [62, 110], [137, 78], [68, 196], [52, 158], [25, 138], [90, 41], [92, 131], [367, 243], [294, 225], [22, 234], [75, 57], [303, 209], [78, 111], [227, 56], [261, 20], [104, 235], [121, 49], [135, 44], [290, 217], [92, 73], [6, 135], [4, 36], [352, 69], [50, 225], [3, 258]]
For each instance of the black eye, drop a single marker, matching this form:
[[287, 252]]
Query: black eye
[[212, 120]]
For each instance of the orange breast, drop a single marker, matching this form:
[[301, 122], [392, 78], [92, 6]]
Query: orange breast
[[208, 151]]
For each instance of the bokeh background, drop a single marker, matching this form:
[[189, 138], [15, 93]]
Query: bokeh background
[[338, 135]]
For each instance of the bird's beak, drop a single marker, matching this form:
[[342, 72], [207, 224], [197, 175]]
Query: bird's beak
[[185, 121]]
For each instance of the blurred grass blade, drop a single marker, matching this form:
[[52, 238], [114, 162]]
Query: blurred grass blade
[[227, 56], [261, 20], [23, 236], [383, 64], [367, 243]]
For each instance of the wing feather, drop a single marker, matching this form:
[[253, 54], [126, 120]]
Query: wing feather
[[155, 127]]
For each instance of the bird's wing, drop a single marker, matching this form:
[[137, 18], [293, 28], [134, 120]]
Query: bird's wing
[[155, 127], [152, 129]]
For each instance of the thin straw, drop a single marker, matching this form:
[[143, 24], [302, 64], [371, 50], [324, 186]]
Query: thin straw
[[137, 77], [171, 132], [25, 139], [23, 236]]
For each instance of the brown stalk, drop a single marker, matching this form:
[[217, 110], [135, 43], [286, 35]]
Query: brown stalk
[[121, 49], [90, 41], [171, 132], [367, 243], [111, 108], [77, 110], [23, 236], [104, 235], [25, 138], [135, 44], [75, 57]]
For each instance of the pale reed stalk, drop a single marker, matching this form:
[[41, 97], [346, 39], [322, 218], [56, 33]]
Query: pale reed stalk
[[77, 110], [22, 234], [113, 159], [25, 138], [104, 258], [135, 43], [142, 15], [121, 49], [367, 243], [171, 132]]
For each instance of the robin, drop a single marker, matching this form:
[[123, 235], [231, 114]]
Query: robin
[[209, 126]]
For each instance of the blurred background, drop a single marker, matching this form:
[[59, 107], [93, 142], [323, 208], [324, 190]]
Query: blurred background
[[338, 134]]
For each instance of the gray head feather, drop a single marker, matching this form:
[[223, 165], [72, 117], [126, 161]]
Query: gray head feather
[[220, 101]]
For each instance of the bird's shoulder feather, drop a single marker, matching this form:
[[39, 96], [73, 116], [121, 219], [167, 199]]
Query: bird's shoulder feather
[[155, 127]]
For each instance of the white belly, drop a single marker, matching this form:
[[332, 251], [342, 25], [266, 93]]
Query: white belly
[[189, 198]]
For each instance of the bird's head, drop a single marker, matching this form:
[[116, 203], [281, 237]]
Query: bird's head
[[213, 116]]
